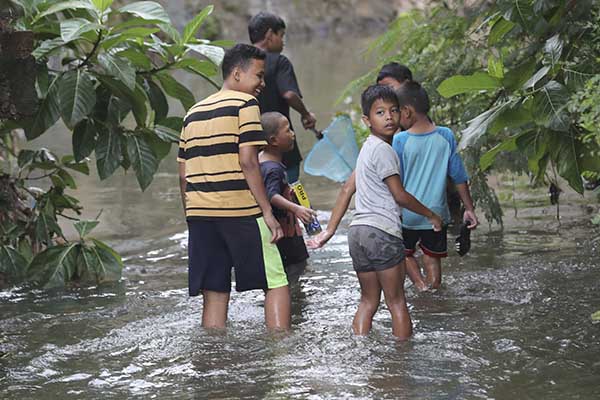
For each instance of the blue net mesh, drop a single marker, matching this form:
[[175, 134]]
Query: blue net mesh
[[335, 155]]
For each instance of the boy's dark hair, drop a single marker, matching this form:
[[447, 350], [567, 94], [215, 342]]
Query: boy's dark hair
[[399, 72], [376, 92], [240, 55], [413, 94], [260, 24], [270, 122]]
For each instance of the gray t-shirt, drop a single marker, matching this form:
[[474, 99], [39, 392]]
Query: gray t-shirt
[[375, 205]]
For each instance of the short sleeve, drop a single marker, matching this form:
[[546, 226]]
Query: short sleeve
[[286, 77], [386, 162], [251, 132], [181, 156], [456, 168], [273, 179]]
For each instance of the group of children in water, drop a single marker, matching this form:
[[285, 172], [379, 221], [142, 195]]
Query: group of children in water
[[240, 209]]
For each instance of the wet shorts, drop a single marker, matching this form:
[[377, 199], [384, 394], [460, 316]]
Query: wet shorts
[[215, 246], [372, 249], [432, 243]]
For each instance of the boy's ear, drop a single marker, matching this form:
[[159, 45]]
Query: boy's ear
[[365, 119], [236, 73]]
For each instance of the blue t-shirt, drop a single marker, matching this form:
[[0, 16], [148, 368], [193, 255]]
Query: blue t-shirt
[[426, 160]]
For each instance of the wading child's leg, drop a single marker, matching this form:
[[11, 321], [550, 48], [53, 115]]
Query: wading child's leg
[[433, 271], [214, 310], [370, 296], [392, 283]]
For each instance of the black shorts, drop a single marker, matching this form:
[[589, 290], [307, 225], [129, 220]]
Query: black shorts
[[217, 245], [434, 244]]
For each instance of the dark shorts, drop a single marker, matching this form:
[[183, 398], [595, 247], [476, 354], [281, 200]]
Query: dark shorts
[[434, 244], [372, 249], [215, 246]]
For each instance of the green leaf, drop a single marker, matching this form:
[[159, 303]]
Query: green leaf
[[174, 35], [495, 67], [489, 157], [136, 34], [118, 109], [479, 125], [176, 90], [203, 68], [510, 118], [549, 106], [12, 264], [65, 5], [81, 167], [67, 179], [458, 84], [596, 317], [84, 139], [540, 74], [25, 157], [118, 67], [522, 13], [500, 28], [47, 47], [109, 265], [77, 96], [137, 99], [160, 147], [102, 5], [48, 112], [158, 101], [553, 49], [142, 159], [137, 58], [85, 227], [108, 153], [131, 22], [72, 29], [166, 134], [213, 53], [516, 78], [45, 227], [189, 32], [175, 123], [148, 10], [55, 266]]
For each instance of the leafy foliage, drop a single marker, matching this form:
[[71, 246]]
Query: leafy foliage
[[106, 73], [510, 76]]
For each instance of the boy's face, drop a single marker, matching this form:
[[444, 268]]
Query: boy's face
[[391, 82], [252, 79], [284, 139], [383, 118], [275, 41]]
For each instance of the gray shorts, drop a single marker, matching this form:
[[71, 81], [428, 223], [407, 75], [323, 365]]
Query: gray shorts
[[372, 249]]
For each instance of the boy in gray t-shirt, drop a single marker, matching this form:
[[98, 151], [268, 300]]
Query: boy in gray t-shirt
[[374, 237]]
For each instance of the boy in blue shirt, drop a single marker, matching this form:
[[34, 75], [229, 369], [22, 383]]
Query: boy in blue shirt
[[427, 156]]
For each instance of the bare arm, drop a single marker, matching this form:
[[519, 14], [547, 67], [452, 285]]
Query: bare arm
[[305, 214], [293, 99], [251, 170], [465, 196], [182, 183], [407, 200], [341, 206]]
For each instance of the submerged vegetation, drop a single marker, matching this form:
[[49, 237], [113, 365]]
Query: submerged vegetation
[[105, 73]]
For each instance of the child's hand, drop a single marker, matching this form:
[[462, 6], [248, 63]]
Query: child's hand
[[319, 241], [274, 227], [436, 221], [306, 215], [470, 216]]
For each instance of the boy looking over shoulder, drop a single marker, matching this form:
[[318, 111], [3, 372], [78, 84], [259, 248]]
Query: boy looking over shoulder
[[427, 156], [229, 217], [280, 139], [281, 91], [374, 237]]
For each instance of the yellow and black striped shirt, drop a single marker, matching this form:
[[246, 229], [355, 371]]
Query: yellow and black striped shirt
[[213, 131]]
